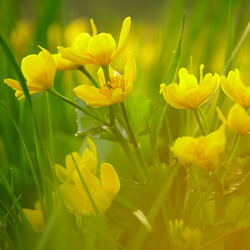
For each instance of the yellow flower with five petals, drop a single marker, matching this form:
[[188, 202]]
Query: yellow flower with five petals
[[238, 119], [189, 94], [115, 91], [99, 49], [235, 89], [204, 151], [39, 71]]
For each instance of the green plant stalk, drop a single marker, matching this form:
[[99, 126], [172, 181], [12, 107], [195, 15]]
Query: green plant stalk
[[235, 147], [204, 120], [136, 146], [111, 116], [90, 77], [203, 130], [65, 99], [51, 142]]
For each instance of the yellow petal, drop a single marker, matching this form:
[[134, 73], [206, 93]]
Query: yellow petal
[[239, 120], [123, 39], [187, 80], [103, 200], [130, 69], [92, 147], [64, 64], [13, 84], [118, 96], [92, 96], [221, 116], [101, 76], [63, 174], [90, 160], [109, 178], [102, 47], [90, 179], [71, 162], [93, 26], [36, 219]]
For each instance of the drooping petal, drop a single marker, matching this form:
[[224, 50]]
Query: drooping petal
[[109, 178], [103, 200], [123, 39], [36, 219], [101, 47], [13, 84], [130, 71], [92, 96]]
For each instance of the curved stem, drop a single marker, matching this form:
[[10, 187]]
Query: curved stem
[[203, 131], [90, 77], [55, 93]]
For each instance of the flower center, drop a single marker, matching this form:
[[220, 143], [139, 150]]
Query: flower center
[[116, 82]]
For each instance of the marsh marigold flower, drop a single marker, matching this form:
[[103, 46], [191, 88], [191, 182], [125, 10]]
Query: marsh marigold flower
[[97, 49], [72, 190], [235, 89], [238, 119], [115, 91], [39, 71], [204, 151], [189, 94]]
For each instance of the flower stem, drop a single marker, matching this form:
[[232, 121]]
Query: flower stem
[[136, 146], [90, 77], [55, 93], [204, 120], [111, 116], [235, 146], [203, 131]]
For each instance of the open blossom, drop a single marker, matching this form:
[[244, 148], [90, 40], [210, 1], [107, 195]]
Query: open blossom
[[238, 119], [72, 190], [189, 94], [204, 151], [235, 89], [115, 91], [39, 71], [99, 49]]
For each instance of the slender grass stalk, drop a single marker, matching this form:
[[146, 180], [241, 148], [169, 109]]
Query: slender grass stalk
[[235, 147], [90, 77], [51, 141], [204, 120], [111, 116], [202, 128]]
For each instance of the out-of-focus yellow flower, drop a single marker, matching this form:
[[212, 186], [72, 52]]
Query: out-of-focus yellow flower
[[204, 151], [188, 94], [115, 91], [87, 160], [235, 89], [103, 193], [39, 71], [64, 64], [99, 49], [36, 217], [238, 119]]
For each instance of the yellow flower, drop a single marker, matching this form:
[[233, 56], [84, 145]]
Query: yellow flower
[[238, 119], [204, 151], [36, 217], [235, 89], [39, 71], [188, 94], [64, 64], [99, 49], [115, 91], [103, 193], [88, 160]]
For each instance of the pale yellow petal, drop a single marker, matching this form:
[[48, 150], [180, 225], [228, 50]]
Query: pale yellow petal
[[221, 116], [109, 178], [92, 146], [103, 200], [118, 96], [102, 47], [64, 175], [13, 84], [93, 26], [72, 162], [92, 96], [89, 160], [36, 219], [130, 71], [123, 39]]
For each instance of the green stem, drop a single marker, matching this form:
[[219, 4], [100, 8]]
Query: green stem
[[204, 120], [50, 129], [133, 139], [235, 147], [54, 92], [199, 122], [111, 116], [105, 69], [90, 77]]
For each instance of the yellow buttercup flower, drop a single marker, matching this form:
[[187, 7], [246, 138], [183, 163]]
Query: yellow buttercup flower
[[238, 119], [64, 64], [188, 94], [115, 91], [36, 217], [204, 151], [87, 160], [103, 192], [235, 89], [99, 49], [39, 71]]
